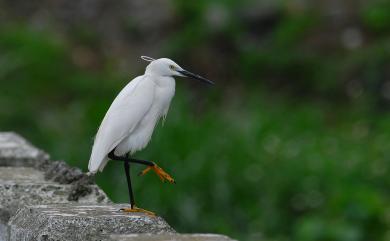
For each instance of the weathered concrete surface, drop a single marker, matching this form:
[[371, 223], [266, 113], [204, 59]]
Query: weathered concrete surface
[[80, 222], [20, 186], [16, 151], [61, 172], [170, 237]]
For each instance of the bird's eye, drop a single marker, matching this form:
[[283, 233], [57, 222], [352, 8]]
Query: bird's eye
[[171, 67]]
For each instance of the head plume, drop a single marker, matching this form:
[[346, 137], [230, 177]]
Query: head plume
[[148, 59]]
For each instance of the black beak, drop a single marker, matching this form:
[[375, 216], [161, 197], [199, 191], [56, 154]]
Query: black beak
[[195, 76]]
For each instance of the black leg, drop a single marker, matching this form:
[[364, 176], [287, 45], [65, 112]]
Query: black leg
[[126, 160], [128, 178], [114, 157], [143, 162], [151, 166]]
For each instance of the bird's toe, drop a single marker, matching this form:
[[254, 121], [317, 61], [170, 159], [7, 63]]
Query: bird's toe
[[137, 210]]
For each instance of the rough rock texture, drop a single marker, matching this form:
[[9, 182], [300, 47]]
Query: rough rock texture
[[170, 237], [80, 222], [20, 186], [60, 172], [16, 151]]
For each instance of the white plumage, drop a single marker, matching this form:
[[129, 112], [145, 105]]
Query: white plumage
[[129, 122]]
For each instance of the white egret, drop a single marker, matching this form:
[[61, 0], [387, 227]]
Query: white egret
[[129, 122]]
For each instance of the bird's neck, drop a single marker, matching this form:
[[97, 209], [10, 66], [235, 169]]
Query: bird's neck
[[162, 81]]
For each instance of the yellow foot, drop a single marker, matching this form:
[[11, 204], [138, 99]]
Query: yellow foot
[[138, 210], [160, 173]]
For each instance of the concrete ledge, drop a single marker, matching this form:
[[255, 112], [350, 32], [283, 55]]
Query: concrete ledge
[[16, 151], [81, 222], [171, 237], [20, 186]]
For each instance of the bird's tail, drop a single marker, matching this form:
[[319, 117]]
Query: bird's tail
[[94, 166], [90, 174]]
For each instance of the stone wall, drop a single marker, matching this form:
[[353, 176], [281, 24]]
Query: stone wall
[[42, 199]]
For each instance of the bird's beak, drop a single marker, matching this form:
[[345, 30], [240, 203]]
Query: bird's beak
[[186, 73]]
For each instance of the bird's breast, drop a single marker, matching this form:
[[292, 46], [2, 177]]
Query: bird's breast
[[163, 96], [142, 134]]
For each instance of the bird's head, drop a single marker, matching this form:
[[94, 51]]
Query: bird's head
[[167, 67]]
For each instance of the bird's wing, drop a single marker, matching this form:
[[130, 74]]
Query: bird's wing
[[124, 114]]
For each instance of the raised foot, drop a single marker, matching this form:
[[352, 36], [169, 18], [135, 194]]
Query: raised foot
[[160, 173], [138, 210]]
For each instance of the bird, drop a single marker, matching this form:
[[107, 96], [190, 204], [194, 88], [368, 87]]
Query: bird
[[128, 125]]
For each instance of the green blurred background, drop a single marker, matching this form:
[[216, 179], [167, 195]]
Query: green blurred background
[[293, 142]]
